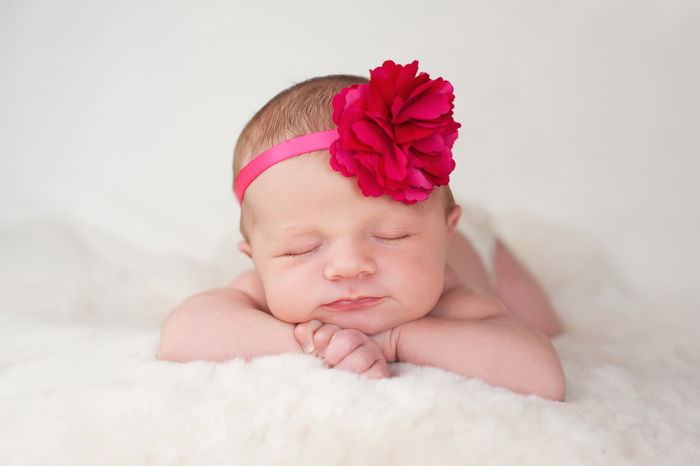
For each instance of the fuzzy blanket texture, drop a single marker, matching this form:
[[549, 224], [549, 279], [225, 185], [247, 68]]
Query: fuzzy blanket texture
[[79, 383]]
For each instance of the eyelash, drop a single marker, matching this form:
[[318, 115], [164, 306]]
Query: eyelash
[[312, 250], [393, 239], [301, 254]]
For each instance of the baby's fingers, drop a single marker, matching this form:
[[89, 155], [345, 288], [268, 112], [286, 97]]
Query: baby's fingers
[[322, 338], [342, 344], [379, 370], [304, 333], [366, 360]]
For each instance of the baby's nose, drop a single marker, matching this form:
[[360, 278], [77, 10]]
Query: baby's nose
[[349, 259]]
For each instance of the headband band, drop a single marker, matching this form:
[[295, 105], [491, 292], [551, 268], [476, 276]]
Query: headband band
[[279, 152], [394, 134]]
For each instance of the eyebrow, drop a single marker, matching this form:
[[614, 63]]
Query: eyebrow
[[292, 230]]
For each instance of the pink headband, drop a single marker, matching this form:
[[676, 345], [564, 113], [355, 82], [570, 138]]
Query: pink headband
[[395, 134]]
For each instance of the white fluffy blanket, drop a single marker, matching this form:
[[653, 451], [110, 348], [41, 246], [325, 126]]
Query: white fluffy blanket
[[79, 384]]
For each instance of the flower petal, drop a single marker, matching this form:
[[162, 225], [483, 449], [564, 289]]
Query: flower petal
[[428, 107], [395, 134]]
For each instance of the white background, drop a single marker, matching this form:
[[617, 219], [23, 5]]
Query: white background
[[581, 114]]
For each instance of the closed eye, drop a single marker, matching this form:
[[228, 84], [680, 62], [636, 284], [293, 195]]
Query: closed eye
[[391, 239], [301, 253]]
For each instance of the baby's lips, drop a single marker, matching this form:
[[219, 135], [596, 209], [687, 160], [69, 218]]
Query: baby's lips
[[348, 304]]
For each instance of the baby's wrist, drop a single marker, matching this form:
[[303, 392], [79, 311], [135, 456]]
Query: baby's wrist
[[388, 344], [396, 333], [394, 339]]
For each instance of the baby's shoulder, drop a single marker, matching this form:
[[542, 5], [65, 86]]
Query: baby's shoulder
[[467, 303], [250, 283], [468, 264]]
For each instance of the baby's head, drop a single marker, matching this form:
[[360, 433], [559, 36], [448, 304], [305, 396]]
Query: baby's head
[[323, 249]]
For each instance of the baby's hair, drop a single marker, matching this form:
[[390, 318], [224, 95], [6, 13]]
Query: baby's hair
[[301, 109]]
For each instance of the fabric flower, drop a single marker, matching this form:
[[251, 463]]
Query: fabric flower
[[395, 133]]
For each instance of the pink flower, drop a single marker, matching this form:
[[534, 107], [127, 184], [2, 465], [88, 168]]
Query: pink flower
[[395, 133]]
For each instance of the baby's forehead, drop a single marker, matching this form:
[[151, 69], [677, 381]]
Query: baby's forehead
[[298, 168], [362, 213], [320, 218], [305, 191]]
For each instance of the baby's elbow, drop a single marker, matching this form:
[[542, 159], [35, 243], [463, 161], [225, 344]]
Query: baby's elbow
[[164, 352], [550, 381], [173, 335], [167, 349], [554, 384]]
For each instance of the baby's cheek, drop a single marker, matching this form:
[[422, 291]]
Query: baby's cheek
[[285, 301], [424, 300], [424, 282]]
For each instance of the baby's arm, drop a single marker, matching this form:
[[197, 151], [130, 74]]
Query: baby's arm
[[493, 346], [223, 324]]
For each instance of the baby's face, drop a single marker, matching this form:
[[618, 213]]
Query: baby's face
[[324, 251]]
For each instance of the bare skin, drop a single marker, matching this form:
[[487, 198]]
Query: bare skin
[[349, 349], [465, 274], [514, 284], [362, 282]]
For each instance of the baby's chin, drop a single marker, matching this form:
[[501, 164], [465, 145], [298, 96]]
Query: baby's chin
[[373, 329], [369, 325], [368, 321]]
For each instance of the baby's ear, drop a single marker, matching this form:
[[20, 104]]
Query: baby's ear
[[453, 218], [244, 247]]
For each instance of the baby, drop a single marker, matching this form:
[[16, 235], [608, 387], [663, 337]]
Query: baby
[[348, 218]]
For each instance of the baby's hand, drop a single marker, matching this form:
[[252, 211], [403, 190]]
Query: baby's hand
[[344, 349]]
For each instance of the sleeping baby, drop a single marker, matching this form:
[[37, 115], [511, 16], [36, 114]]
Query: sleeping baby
[[361, 255]]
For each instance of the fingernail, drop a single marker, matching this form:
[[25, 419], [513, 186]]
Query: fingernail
[[308, 348]]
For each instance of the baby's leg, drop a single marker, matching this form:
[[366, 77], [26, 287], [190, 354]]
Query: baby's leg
[[522, 294]]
